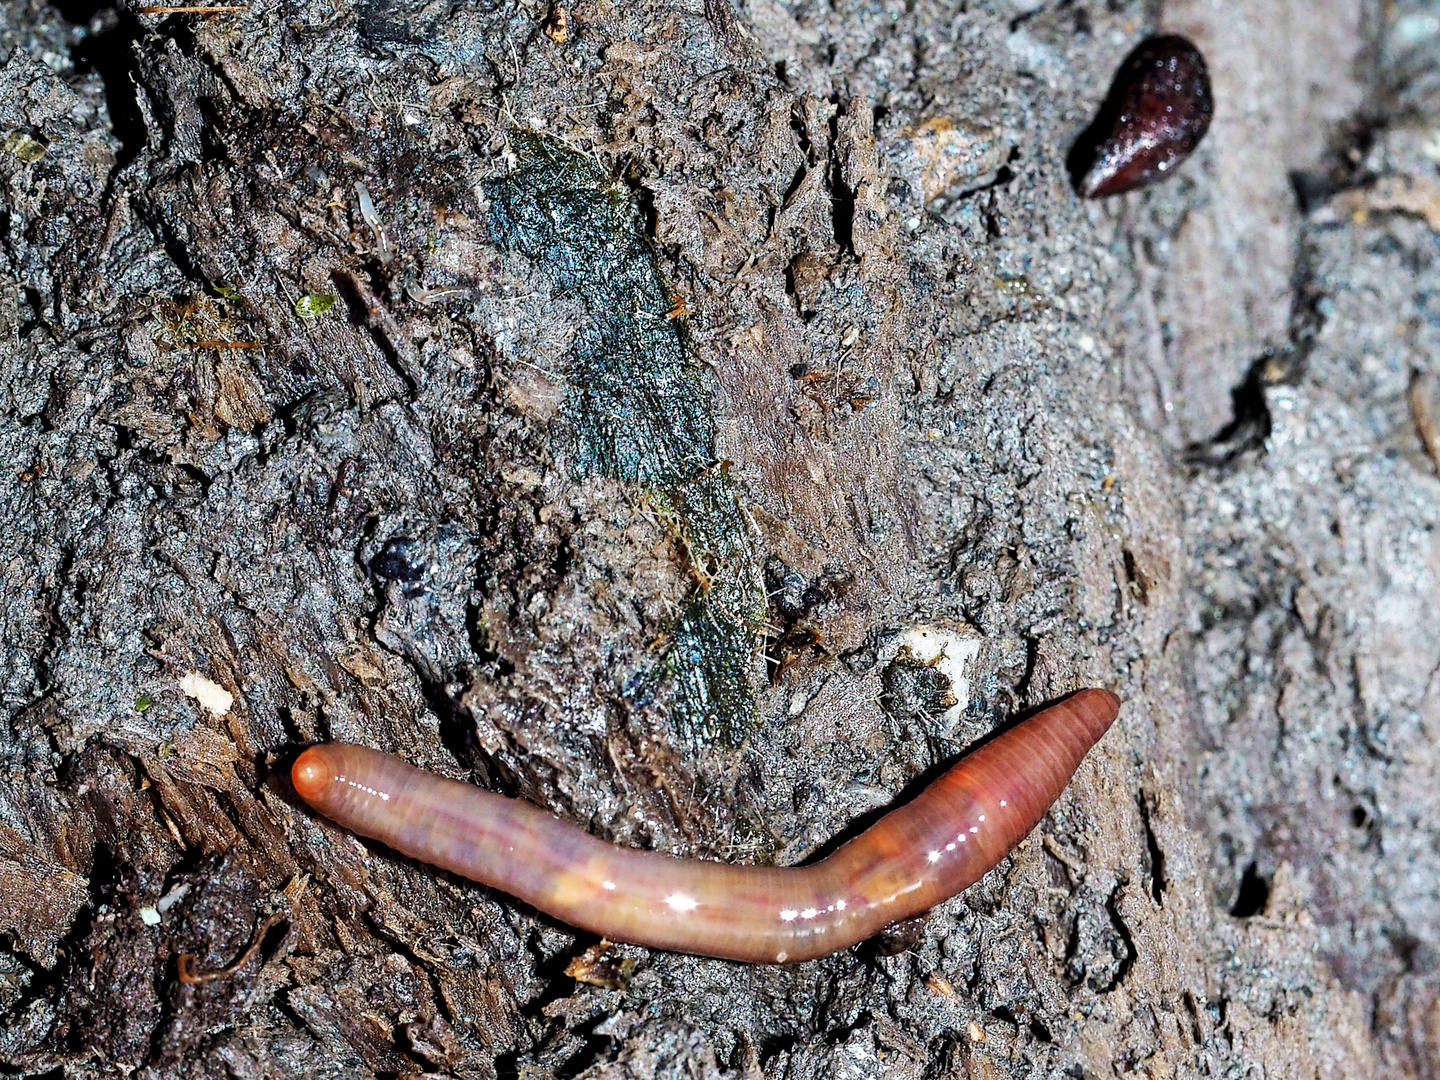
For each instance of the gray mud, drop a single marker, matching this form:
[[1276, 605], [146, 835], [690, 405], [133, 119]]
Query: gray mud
[[583, 414]]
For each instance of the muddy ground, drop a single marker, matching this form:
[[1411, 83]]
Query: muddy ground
[[582, 406]]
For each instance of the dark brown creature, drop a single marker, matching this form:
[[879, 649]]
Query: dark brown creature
[[942, 841], [1157, 111]]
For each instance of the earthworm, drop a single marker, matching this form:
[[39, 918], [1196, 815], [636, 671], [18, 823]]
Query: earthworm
[[924, 852]]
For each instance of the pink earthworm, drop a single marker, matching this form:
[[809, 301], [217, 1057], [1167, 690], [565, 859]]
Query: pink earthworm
[[926, 851]]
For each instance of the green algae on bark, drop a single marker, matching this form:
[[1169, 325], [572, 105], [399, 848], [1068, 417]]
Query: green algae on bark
[[640, 412], [636, 403], [709, 662]]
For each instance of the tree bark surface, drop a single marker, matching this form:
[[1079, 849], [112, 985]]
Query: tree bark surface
[[601, 404]]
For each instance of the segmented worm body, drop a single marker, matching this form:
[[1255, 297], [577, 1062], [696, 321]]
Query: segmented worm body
[[924, 852]]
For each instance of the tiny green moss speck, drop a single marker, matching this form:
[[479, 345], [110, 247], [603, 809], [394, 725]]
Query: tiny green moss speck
[[313, 305], [25, 147]]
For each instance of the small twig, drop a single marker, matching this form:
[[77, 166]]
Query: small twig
[[195, 978], [190, 10], [1422, 413], [1077, 867], [229, 344]]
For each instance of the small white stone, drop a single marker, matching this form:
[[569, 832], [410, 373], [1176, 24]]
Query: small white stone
[[1430, 147], [150, 916], [173, 897], [951, 653], [212, 697]]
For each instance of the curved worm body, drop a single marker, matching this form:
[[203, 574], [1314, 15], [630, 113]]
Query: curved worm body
[[924, 852]]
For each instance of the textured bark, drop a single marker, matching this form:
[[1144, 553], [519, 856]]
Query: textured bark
[[614, 491]]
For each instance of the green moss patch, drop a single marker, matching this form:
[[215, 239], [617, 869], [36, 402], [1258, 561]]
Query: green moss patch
[[640, 412]]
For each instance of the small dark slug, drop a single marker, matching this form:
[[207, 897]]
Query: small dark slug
[[1156, 113], [916, 856]]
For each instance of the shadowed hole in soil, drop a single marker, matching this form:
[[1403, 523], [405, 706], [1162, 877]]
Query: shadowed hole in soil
[[1247, 430], [1154, 857], [110, 54], [1253, 894]]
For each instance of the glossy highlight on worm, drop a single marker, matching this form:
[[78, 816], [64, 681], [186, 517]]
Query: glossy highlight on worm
[[924, 852]]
